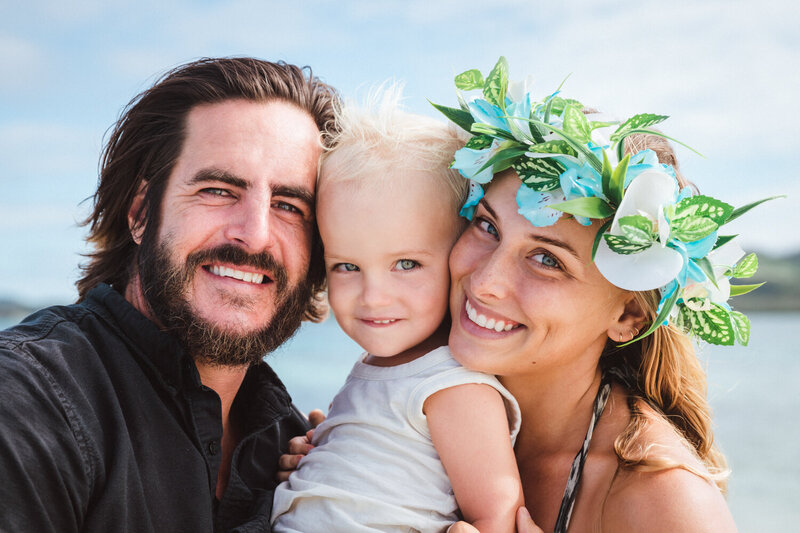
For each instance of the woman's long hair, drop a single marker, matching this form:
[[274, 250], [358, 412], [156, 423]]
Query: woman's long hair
[[666, 374]]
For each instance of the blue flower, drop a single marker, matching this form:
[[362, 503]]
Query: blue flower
[[486, 113], [473, 198], [469, 161], [534, 205], [644, 160]]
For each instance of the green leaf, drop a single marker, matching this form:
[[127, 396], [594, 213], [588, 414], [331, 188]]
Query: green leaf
[[460, 117], [703, 206], [723, 239], [708, 270], [642, 120], [713, 326], [599, 235], [574, 143], [645, 131], [470, 80], [479, 128], [479, 142], [605, 174], [553, 147], [622, 245], [690, 229], [594, 125], [617, 185], [585, 207], [638, 229], [741, 327], [737, 290], [505, 155], [745, 208], [540, 174], [746, 267], [494, 90], [558, 104], [576, 124]]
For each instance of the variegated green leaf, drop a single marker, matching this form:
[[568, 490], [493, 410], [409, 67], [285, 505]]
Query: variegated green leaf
[[479, 142], [479, 128], [689, 229], [506, 154], [585, 207], [558, 104], [737, 290], [703, 206], [622, 245], [539, 174], [643, 120], [470, 80], [713, 326], [494, 89], [576, 124], [554, 147], [746, 267], [593, 125], [637, 228], [741, 327]]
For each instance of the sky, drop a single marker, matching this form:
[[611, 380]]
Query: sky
[[725, 71]]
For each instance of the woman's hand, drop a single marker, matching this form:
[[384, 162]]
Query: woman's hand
[[298, 447], [524, 524]]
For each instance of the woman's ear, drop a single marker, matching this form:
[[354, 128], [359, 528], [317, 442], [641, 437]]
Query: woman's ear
[[630, 322], [136, 221]]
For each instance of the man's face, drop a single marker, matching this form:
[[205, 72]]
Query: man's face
[[230, 258]]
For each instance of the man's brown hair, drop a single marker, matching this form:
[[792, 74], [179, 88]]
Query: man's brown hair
[[147, 139]]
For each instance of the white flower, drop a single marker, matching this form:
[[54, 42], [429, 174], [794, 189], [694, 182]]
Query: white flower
[[655, 266]]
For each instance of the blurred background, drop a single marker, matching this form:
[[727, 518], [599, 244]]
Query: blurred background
[[725, 70]]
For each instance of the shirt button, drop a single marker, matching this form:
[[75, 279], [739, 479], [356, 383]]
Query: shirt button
[[213, 447]]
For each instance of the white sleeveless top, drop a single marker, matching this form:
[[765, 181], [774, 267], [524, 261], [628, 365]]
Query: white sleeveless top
[[374, 466]]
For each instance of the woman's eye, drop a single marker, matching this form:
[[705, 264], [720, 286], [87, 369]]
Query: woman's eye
[[546, 260], [486, 226], [406, 264], [345, 267]]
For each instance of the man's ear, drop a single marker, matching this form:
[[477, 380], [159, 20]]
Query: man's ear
[[631, 321], [136, 220]]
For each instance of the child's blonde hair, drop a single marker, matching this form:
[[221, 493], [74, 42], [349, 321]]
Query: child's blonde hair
[[378, 140]]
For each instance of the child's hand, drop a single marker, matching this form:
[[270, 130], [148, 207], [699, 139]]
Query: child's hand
[[299, 447], [524, 524]]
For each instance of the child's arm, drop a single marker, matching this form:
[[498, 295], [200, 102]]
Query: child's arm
[[469, 428]]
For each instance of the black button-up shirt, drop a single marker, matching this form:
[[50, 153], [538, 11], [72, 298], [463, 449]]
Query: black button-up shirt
[[105, 426]]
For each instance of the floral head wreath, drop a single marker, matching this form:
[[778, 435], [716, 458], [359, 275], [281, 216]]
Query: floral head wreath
[[655, 235]]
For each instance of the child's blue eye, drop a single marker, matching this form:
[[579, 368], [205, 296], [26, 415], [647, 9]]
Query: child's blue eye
[[345, 267], [406, 264]]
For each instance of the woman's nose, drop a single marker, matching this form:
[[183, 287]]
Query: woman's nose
[[491, 277]]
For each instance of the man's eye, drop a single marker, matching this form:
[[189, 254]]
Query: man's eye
[[287, 207], [345, 267], [406, 264], [216, 192]]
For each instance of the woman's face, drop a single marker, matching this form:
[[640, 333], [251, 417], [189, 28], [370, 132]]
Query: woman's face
[[525, 298]]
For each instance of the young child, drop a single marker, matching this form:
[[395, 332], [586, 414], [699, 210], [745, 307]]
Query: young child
[[412, 437]]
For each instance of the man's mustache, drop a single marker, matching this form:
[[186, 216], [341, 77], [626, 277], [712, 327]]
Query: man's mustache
[[229, 253]]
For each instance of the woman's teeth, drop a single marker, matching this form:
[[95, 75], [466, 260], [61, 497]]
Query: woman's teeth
[[249, 277], [490, 323]]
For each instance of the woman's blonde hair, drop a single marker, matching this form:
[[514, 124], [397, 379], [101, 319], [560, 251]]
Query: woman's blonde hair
[[666, 375], [378, 140]]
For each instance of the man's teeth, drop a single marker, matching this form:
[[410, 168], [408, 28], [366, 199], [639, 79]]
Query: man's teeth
[[249, 277], [491, 323]]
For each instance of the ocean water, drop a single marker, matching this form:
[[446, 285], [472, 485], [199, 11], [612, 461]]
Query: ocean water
[[754, 391]]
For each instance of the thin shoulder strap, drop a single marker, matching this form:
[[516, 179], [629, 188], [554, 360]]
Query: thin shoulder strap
[[568, 501]]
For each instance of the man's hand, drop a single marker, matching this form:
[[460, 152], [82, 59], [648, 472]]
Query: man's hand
[[299, 447]]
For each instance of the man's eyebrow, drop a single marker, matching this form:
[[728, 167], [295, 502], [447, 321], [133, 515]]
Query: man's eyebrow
[[301, 193], [536, 236], [215, 174]]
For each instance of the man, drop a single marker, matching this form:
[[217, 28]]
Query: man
[[146, 406]]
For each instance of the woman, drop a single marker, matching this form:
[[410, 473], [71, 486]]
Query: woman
[[616, 416]]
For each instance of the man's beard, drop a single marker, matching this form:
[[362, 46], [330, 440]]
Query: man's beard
[[165, 285]]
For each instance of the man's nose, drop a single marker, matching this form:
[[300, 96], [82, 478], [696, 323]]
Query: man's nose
[[250, 225]]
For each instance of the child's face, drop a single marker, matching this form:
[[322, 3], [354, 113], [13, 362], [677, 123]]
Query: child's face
[[386, 255]]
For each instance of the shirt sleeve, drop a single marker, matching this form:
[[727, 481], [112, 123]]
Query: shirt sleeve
[[45, 479], [452, 378]]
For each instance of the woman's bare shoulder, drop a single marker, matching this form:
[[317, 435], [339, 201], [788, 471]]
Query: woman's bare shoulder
[[678, 497]]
